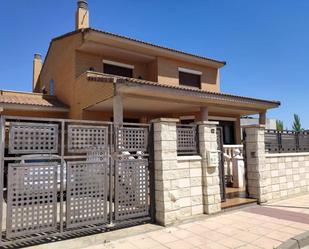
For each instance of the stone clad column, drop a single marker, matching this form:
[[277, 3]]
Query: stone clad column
[[258, 173], [165, 157], [210, 175]]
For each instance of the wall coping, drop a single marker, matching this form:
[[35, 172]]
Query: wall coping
[[254, 126], [165, 120], [189, 158], [208, 123], [269, 155]]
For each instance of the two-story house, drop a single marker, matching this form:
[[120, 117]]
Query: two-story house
[[95, 75], [97, 175]]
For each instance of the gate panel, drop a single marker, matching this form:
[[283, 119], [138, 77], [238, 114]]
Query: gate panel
[[86, 193], [132, 138], [131, 188], [81, 138], [32, 198], [33, 138]]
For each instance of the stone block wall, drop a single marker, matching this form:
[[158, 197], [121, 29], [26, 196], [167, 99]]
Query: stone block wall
[[288, 175], [210, 175], [184, 185], [165, 157], [189, 197], [270, 176], [257, 178]]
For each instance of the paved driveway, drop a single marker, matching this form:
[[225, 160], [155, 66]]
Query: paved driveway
[[254, 227]]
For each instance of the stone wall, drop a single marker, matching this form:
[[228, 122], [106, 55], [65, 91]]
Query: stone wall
[[288, 174], [184, 185], [273, 176], [257, 175], [182, 196], [210, 175], [165, 157]]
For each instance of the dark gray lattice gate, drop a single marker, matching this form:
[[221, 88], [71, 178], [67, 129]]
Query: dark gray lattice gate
[[63, 177]]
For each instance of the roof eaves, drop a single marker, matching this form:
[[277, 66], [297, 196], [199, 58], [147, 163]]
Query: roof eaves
[[157, 46], [118, 79], [32, 107], [222, 63], [216, 94], [30, 99]]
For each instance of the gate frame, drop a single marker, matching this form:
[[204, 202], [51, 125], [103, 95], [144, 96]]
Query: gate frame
[[221, 163], [61, 230]]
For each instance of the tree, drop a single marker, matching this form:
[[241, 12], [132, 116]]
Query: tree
[[279, 125], [296, 124]]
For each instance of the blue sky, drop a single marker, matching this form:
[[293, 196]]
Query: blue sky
[[265, 42]]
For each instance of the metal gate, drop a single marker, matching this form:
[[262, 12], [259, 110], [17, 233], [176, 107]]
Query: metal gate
[[65, 177], [221, 163]]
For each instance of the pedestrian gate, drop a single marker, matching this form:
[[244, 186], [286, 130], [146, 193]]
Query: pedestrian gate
[[62, 178]]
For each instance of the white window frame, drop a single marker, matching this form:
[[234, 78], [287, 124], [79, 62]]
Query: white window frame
[[115, 63], [191, 71]]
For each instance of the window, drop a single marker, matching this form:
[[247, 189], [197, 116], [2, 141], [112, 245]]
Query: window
[[51, 87], [116, 68], [189, 77]]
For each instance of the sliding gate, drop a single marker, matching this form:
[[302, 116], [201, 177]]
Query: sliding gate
[[62, 178]]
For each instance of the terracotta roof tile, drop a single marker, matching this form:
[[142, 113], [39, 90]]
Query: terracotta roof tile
[[34, 99], [94, 76]]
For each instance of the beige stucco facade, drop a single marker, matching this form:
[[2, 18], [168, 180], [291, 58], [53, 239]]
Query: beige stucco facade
[[67, 60]]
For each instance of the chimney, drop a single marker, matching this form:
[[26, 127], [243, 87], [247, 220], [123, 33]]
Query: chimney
[[82, 15], [37, 66]]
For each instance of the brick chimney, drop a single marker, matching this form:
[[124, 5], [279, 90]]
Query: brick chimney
[[37, 66], [82, 15]]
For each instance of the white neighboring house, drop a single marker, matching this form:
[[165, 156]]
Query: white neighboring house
[[270, 122]]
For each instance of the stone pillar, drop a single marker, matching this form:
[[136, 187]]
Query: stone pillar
[[210, 175], [258, 175], [165, 157]]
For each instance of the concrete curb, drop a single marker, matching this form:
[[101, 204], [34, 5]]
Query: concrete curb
[[297, 242]]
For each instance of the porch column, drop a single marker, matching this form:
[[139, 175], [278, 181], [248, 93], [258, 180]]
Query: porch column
[[204, 113], [165, 162], [262, 118], [210, 173], [118, 109], [237, 130], [143, 120], [258, 173]]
